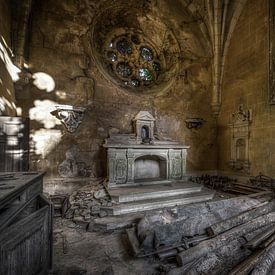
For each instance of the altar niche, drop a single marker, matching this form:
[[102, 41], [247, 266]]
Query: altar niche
[[144, 126], [150, 168], [240, 137], [141, 157]]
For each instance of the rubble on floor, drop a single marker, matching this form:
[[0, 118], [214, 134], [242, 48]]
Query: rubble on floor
[[234, 233], [78, 252], [84, 204]]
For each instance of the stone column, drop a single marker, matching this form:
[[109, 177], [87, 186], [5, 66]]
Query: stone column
[[183, 163], [130, 166], [111, 166]]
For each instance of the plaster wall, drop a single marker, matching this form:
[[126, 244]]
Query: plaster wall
[[246, 82], [60, 48]]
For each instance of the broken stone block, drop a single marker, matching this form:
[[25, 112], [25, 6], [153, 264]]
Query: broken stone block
[[81, 222], [103, 214], [104, 202], [95, 210], [100, 194], [87, 217], [69, 214]]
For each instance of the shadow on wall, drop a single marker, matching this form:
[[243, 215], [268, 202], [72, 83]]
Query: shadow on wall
[[8, 73], [44, 139]]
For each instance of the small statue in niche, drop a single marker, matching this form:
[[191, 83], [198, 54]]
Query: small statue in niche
[[145, 134], [144, 125]]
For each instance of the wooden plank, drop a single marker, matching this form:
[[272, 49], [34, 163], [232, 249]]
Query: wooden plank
[[257, 240], [212, 244], [243, 217], [246, 266]]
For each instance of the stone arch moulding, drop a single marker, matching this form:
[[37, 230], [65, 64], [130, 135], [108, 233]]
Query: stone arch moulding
[[240, 135], [125, 52], [221, 20]]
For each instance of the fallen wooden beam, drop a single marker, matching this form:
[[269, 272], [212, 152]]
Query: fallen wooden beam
[[251, 262], [264, 265], [211, 245], [245, 267], [266, 243], [244, 217], [261, 194], [257, 240]]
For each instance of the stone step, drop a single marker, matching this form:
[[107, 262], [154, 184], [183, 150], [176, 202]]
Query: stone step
[[167, 202], [142, 182], [138, 193]]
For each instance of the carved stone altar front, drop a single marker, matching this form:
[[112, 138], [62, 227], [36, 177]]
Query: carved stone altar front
[[142, 157]]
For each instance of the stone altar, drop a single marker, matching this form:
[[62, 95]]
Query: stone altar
[[142, 156]]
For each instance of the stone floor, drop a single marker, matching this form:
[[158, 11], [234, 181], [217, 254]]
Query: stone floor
[[79, 252]]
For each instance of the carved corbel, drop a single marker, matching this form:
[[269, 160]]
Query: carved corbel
[[70, 116], [195, 123]]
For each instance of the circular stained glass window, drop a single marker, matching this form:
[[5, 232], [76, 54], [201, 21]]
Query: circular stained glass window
[[124, 46], [123, 69], [135, 83], [145, 74], [146, 53], [133, 61], [112, 56]]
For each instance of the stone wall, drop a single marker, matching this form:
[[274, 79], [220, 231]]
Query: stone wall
[[246, 82], [61, 50], [7, 70]]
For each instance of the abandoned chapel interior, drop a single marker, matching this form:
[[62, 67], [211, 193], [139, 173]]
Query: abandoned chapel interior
[[137, 137]]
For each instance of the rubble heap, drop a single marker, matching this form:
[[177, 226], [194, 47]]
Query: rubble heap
[[85, 203]]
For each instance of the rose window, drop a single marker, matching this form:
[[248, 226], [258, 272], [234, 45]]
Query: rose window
[[133, 61]]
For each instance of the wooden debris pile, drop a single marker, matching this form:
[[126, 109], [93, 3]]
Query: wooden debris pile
[[242, 243], [262, 181]]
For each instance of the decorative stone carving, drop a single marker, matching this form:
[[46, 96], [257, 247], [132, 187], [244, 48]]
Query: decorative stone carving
[[195, 123], [68, 168], [70, 116], [129, 154], [71, 167], [240, 134], [144, 125]]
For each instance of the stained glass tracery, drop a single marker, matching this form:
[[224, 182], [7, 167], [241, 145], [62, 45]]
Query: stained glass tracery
[[133, 60]]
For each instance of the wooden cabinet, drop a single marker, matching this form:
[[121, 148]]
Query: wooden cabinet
[[25, 225]]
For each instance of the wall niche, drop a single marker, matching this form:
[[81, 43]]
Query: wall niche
[[240, 135]]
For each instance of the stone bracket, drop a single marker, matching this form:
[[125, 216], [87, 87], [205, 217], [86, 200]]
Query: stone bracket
[[70, 116]]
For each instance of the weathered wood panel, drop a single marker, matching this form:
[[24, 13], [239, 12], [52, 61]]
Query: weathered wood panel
[[25, 246]]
